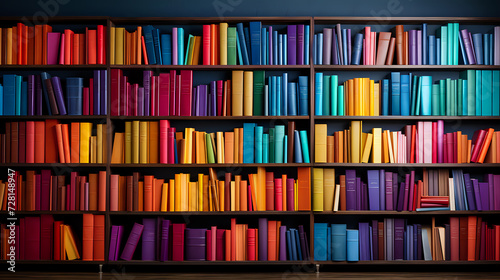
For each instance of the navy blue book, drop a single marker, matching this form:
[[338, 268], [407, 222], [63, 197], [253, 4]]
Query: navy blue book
[[166, 49], [357, 48], [478, 47], [289, 245], [246, 32], [243, 46], [74, 96], [149, 42], [297, 244], [339, 232], [295, 254], [156, 43], [303, 93], [395, 94], [44, 76], [255, 29], [320, 241]]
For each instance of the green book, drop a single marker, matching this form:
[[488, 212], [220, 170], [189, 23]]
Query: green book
[[448, 97], [326, 95], [189, 54], [271, 145], [419, 94], [265, 148], [259, 78], [231, 46], [414, 96], [453, 94], [487, 81], [279, 139], [305, 146], [470, 76], [478, 93], [444, 45], [460, 100], [210, 150], [455, 43], [334, 92], [442, 97], [341, 104], [450, 43], [464, 97], [435, 100]]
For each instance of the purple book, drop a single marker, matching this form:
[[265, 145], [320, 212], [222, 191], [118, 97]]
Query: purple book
[[140, 101], [56, 85], [381, 184], [496, 200], [292, 44], [97, 92], [53, 40], [118, 242], [339, 41], [165, 229], [419, 47], [395, 191], [469, 193], [148, 239], [469, 49], [350, 184], [364, 198], [401, 197], [146, 82], [477, 195], [349, 47], [364, 242], [359, 194], [112, 243], [195, 244], [196, 102], [399, 232], [104, 91], [262, 239], [388, 192], [300, 45], [282, 233], [158, 236], [412, 42], [419, 242], [412, 191], [38, 95], [335, 46], [31, 95], [327, 46], [213, 98], [374, 240], [373, 190], [202, 96], [132, 241], [491, 195], [305, 247]]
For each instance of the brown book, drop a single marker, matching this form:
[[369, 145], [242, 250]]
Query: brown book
[[122, 193], [405, 48], [390, 52], [330, 149], [130, 193], [14, 142], [383, 47], [61, 187], [343, 194], [140, 196], [400, 45], [93, 182], [135, 194], [291, 142], [381, 247]]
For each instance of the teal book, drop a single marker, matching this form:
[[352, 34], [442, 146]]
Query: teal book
[[478, 93], [453, 93], [352, 238], [1, 100], [271, 145], [279, 137], [320, 241], [419, 94], [486, 91], [442, 97], [435, 100], [166, 49], [265, 148], [248, 142], [318, 94], [405, 95], [341, 101], [460, 100], [465, 95], [180, 45], [259, 132], [455, 42], [470, 77], [495, 95], [210, 150], [444, 45], [305, 146], [339, 242], [334, 81], [240, 56], [24, 98], [426, 95], [258, 92], [231, 46], [414, 91], [326, 95], [448, 98], [450, 43], [329, 243], [285, 146], [19, 81]]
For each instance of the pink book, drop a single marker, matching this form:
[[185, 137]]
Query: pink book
[[157, 96], [373, 47], [278, 194], [449, 147], [171, 145], [135, 99], [367, 44], [186, 92], [427, 142], [61, 51], [178, 96], [113, 193], [174, 46], [128, 104], [164, 126], [420, 127], [153, 104], [86, 101], [434, 142], [164, 94], [214, 243], [178, 242], [440, 132], [53, 41], [173, 85], [206, 44]]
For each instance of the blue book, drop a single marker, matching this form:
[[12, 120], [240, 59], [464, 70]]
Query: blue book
[[395, 94], [166, 49], [289, 245], [477, 40], [248, 142], [242, 44], [334, 82], [285, 50], [1, 100], [382, 189], [275, 48], [320, 241], [433, 209], [352, 245], [339, 242], [265, 148], [405, 95], [180, 45], [315, 50], [24, 98], [340, 95], [278, 96], [266, 100], [285, 147], [297, 244], [149, 42], [374, 190], [486, 44], [305, 146], [492, 48], [74, 96], [357, 49], [385, 97], [438, 51], [478, 92], [495, 95], [329, 243], [318, 94], [297, 148], [292, 99], [284, 94], [238, 47], [259, 132], [156, 43], [462, 50], [17, 104], [320, 49], [263, 45], [344, 46], [246, 32], [432, 50], [255, 37], [9, 95], [274, 96], [306, 44], [303, 96], [425, 50], [426, 95], [279, 138], [486, 94]]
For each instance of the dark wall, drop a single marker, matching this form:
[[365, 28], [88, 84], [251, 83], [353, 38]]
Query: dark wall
[[222, 8]]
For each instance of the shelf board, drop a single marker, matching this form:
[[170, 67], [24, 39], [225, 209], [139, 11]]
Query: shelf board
[[406, 118], [47, 165], [56, 117], [213, 213], [54, 212], [408, 165], [405, 20], [404, 213], [53, 262], [138, 262], [218, 118], [212, 67], [404, 262], [215, 165], [404, 67], [53, 67]]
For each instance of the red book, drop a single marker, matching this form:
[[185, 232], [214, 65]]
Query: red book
[[497, 242], [435, 199], [251, 244], [91, 47], [45, 29], [220, 85], [455, 238], [173, 98], [206, 44], [22, 142], [65, 138], [278, 194], [163, 144], [144, 51], [186, 92], [116, 76], [178, 242], [68, 37], [471, 238], [30, 142], [270, 191], [482, 250], [86, 101], [445, 148], [20, 28], [478, 237], [88, 237], [32, 238], [220, 245], [46, 237], [171, 144], [485, 146], [463, 238], [164, 94], [14, 142], [57, 240], [31, 46], [477, 144], [40, 143], [99, 236], [123, 96], [271, 241], [101, 54]]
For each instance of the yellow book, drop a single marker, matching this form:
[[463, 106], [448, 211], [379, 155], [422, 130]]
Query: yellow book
[[372, 97], [356, 128], [178, 192], [93, 148], [237, 190], [99, 143], [220, 147], [112, 39], [69, 244], [164, 197], [377, 145], [193, 196], [366, 96], [85, 133], [223, 42], [237, 93], [188, 146], [206, 193], [385, 147], [261, 189], [318, 189], [128, 142], [248, 93], [328, 188], [357, 97], [197, 46], [143, 142], [221, 195], [119, 45], [135, 141], [9, 46], [295, 191], [139, 45], [200, 192], [320, 133], [184, 185], [233, 196], [376, 99], [390, 147], [363, 141], [171, 195], [367, 148]]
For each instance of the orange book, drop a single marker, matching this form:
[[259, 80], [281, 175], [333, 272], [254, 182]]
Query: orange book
[[93, 181], [228, 147], [253, 190], [278, 225], [37, 46], [148, 193], [60, 145], [14, 45], [50, 141], [464, 148], [40, 143], [138, 47], [118, 145], [140, 196], [213, 48], [228, 245], [99, 236], [65, 138], [405, 47], [76, 49], [271, 241], [197, 48], [222, 196], [243, 195], [88, 237], [471, 238], [144, 51], [303, 188], [330, 149], [91, 47], [153, 142], [240, 144], [25, 45], [45, 29], [133, 50], [497, 133], [341, 147], [102, 191], [157, 185], [486, 145], [75, 142]]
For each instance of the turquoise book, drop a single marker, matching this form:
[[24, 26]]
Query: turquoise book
[[279, 138], [238, 48], [460, 100], [442, 97], [495, 95], [478, 93], [259, 132], [326, 95], [271, 145], [341, 101], [450, 44], [414, 95], [486, 98], [418, 97], [248, 142], [444, 45], [470, 77], [329, 243], [166, 48], [435, 100], [465, 98], [285, 146], [455, 42], [449, 105], [180, 45], [426, 95], [318, 94], [352, 238], [339, 242], [334, 81], [265, 148], [320, 241], [305, 146]]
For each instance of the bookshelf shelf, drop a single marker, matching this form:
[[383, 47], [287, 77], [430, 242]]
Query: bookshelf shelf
[[388, 68], [405, 213], [155, 165], [404, 263], [54, 117], [175, 263], [210, 118], [408, 165], [54, 212], [53, 67], [409, 118], [212, 67], [213, 213], [54, 165]]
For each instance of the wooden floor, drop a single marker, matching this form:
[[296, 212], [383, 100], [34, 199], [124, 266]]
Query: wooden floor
[[256, 276]]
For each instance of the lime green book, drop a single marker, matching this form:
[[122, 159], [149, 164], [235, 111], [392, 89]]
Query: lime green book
[[188, 60], [231, 46], [210, 149]]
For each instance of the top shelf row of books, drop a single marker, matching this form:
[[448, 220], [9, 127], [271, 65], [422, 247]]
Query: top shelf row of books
[[335, 43]]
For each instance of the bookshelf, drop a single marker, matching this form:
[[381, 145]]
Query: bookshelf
[[307, 218]]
